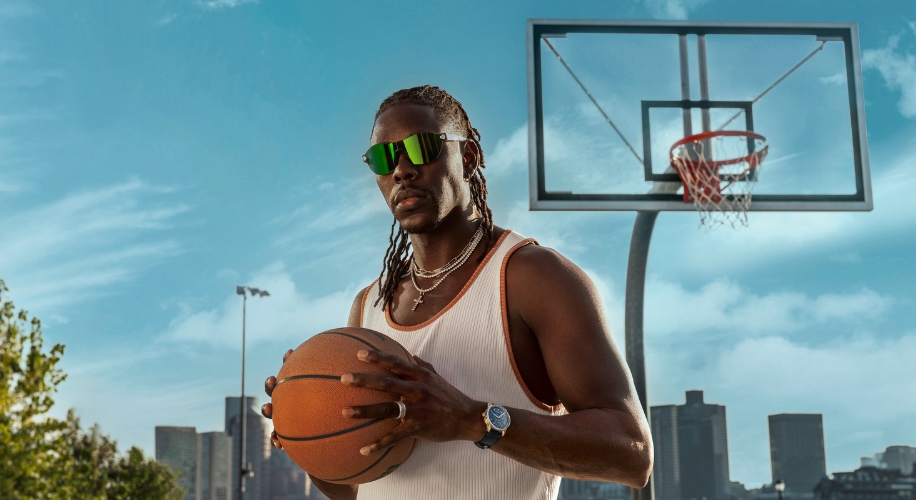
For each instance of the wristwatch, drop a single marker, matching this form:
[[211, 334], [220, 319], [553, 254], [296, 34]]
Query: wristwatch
[[497, 420]]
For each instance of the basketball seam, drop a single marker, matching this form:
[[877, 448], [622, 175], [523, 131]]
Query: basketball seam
[[354, 337], [338, 433], [294, 377]]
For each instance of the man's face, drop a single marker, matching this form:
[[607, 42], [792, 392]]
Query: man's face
[[421, 196]]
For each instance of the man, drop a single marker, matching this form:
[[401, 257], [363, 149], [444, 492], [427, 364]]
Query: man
[[513, 351]]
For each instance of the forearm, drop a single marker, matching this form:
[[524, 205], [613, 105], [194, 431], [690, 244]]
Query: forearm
[[592, 444], [335, 491]]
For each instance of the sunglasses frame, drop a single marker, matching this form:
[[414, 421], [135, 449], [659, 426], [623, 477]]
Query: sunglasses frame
[[399, 146]]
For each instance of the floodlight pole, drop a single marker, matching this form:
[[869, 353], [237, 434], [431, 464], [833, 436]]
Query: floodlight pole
[[244, 469], [243, 464]]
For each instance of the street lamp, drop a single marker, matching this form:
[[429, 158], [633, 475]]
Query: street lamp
[[780, 486], [244, 466]]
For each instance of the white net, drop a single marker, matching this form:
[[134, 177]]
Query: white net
[[719, 171]]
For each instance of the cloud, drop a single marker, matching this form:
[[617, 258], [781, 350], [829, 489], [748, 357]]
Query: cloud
[[223, 4], [75, 248], [671, 9], [863, 387], [725, 306], [510, 155], [166, 19], [287, 314], [899, 72], [837, 79]]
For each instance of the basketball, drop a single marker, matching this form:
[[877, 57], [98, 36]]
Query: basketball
[[307, 402]]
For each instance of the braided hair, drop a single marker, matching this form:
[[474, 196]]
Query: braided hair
[[396, 263]]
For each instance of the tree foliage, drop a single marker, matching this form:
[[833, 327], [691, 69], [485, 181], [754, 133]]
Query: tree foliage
[[42, 457]]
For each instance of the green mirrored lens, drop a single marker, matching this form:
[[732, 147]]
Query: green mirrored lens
[[381, 158], [423, 148]]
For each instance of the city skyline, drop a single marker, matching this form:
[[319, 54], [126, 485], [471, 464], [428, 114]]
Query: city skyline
[[155, 155]]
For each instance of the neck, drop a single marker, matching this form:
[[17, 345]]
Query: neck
[[434, 249]]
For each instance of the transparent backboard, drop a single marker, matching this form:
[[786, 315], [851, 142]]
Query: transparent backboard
[[607, 100]]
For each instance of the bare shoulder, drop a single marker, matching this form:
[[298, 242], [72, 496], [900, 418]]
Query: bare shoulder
[[356, 310], [537, 269]]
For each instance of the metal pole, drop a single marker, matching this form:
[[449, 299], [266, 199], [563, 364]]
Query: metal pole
[[703, 80], [243, 464], [633, 318]]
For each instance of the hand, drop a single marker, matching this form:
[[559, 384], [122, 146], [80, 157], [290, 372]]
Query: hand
[[436, 410], [267, 409]]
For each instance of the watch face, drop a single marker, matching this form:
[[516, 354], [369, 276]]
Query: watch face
[[499, 418]]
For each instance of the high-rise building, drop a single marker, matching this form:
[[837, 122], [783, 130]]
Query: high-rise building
[[215, 466], [179, 448], [288, 481], [702, 449], [256, 447], [666, 472], [797, 453], [902, 458]]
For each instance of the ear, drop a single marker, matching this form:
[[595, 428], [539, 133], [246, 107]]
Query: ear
[[470, 155]]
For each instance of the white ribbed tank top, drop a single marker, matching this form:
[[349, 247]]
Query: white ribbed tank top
[[468, 344]]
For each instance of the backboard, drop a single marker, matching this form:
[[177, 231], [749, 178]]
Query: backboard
[[608, 99]]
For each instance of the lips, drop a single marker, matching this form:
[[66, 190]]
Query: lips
[[409, 198]]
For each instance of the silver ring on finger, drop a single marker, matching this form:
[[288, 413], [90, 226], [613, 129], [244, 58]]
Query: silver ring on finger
[[402, 409]]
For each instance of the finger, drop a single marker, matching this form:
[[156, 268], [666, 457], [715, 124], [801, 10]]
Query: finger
[[394, 437], [423, 363], [384, 383], [275, 440], [267, 410], [393, 363], [290, 351], [269, 385], [380, 410]]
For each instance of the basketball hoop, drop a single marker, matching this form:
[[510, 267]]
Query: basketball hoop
[[720, 189]]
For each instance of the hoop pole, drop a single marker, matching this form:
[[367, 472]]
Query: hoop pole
[[633, 320]]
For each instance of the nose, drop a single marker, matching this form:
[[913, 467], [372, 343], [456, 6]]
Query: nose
[[403, 169]]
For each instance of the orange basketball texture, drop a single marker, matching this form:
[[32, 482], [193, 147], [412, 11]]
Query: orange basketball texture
[[309, 397]]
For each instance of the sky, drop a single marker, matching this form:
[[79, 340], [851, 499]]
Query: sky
[[154, 155]]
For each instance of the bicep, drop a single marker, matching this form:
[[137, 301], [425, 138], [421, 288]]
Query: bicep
[[562, 307]]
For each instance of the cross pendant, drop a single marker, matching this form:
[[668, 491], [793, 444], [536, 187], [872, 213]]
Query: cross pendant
[[416, 302]]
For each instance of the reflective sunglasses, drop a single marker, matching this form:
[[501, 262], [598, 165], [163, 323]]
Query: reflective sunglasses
[[420, 148]]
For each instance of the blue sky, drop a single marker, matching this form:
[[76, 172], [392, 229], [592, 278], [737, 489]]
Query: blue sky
[[154, 155]]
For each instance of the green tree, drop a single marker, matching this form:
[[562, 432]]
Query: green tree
[[42, 457]]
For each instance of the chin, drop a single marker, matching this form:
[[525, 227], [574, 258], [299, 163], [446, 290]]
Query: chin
[[419, 224]]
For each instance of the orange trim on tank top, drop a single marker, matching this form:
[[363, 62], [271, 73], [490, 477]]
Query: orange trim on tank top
[[362, 304], [503, 303], [408, 328]]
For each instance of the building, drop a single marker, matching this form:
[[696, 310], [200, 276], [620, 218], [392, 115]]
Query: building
[[902, 458], [288, 481], [179, 448], [797, 453], [867, 483], [215, 466], [702, 449], [666, 471], [257, 447], [571, 489]]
